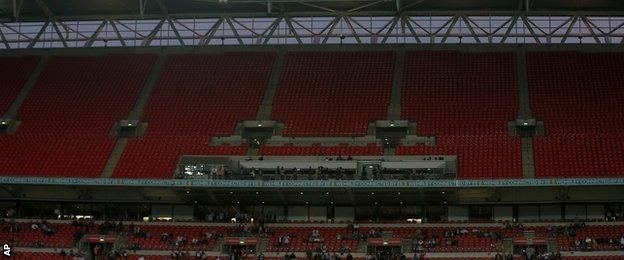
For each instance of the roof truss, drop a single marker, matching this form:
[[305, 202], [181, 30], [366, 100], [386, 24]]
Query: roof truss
[[341, 28]]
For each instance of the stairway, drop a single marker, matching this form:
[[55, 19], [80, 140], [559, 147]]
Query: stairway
[[114, 156], [262, 245], [528, 161], [218, 247], [135, 114], [253, 151], [361, 247], [120, 243], [552, 245], [394, 108], [529, 235], [30, 83], [524, 101], [264, 111], [137, 111], [407, 246], [508, 245], [84, 246], [524, 112]]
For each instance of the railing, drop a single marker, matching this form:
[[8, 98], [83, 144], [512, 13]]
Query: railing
[[381, 184]]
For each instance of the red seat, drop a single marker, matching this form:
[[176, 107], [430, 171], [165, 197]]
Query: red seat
[[14, 73], [195, 98], [67, 116], [465, 100], [317, 149], [579, 98], [333, 93]]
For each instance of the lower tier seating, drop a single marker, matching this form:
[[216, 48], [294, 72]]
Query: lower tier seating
[[24, 235], [158, 237], [612, 257], [300, 239], [38, 255]]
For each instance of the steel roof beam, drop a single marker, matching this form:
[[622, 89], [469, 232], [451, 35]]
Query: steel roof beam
[[95, 34], [134, 16]]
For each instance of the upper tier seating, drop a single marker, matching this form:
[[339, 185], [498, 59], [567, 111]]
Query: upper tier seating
[[580, 100], [195, 98], [333, 93], [67, 116], [317, 149], [465, 100], [14, 73]]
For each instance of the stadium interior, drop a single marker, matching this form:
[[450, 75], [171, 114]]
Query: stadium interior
[[312, 129]]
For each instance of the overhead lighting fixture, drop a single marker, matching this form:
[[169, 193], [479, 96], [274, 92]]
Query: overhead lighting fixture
[[391, 124], [259, 125], [301, 193], [525, 123]]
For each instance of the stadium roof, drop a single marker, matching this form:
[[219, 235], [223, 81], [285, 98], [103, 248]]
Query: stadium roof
[[33, 10]]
